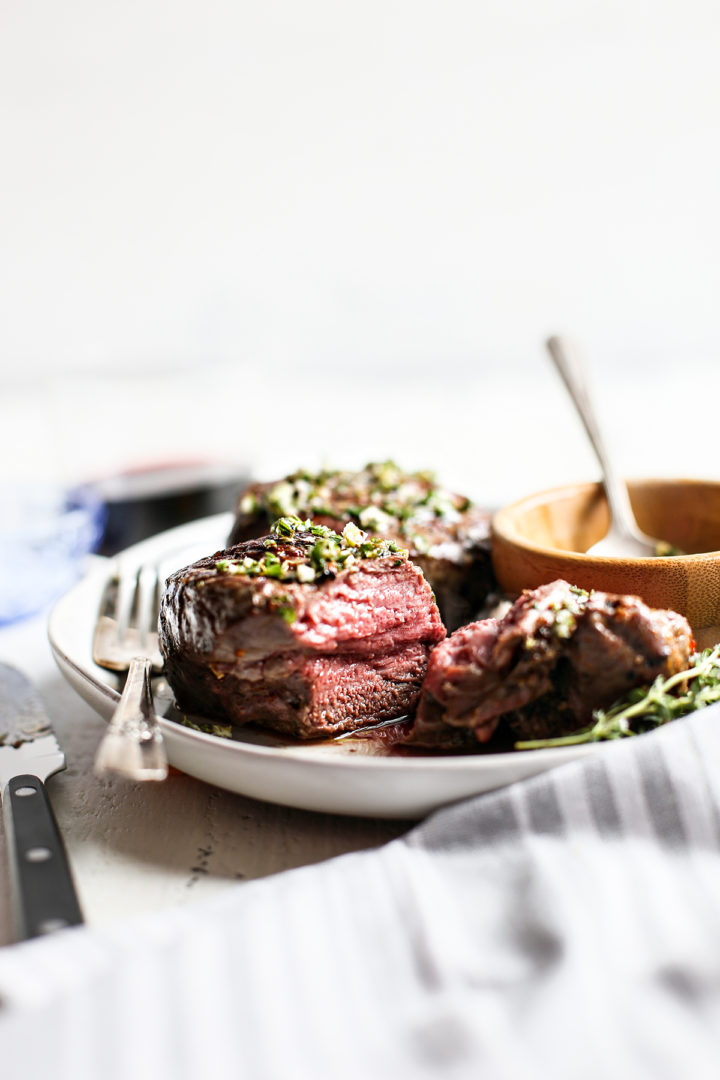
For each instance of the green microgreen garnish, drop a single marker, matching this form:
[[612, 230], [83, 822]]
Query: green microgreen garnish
[[648, 707]]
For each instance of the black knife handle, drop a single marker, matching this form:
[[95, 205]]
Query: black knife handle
[[44, 891]]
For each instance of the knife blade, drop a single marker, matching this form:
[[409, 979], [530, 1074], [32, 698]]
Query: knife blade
[[43, 889]]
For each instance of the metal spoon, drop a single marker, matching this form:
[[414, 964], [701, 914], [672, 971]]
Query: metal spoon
[[624, 536]]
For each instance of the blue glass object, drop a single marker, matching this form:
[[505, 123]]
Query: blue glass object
[[46, 534]]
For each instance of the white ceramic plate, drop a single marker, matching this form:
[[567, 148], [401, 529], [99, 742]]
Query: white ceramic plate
[[345, 777]]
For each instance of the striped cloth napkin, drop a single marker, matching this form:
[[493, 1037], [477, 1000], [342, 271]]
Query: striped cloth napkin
[[566, 927]]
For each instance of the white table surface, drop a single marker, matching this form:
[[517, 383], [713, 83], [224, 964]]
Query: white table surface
[[137, 848]]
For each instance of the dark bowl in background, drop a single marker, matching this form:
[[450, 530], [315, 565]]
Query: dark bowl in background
[[145, 501]]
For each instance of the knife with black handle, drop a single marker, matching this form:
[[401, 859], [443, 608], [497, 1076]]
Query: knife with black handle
[[43, 889]]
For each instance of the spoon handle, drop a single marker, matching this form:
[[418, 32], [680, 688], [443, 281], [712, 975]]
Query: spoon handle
[[571, 367]]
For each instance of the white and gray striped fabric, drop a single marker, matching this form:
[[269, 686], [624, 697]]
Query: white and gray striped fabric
[[565, 927]]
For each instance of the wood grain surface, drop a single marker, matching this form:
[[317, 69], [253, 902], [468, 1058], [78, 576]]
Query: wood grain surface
[[544, 536]]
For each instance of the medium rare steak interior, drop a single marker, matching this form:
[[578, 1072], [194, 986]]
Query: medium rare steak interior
[[444, 533], [557, 654], [307, 631]]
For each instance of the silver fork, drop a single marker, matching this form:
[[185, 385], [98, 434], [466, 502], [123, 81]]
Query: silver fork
[[126, 639]]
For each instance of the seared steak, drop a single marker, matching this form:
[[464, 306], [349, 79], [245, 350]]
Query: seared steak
[[445, 535], [305, 631], [558, 654]]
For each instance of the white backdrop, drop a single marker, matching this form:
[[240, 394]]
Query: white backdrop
[[297, 231]]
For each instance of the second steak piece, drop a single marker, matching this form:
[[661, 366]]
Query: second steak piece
[[558, 654], [304, 631], [446, 535]]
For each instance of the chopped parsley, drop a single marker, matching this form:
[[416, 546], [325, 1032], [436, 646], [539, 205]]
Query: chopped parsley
[[320, 552], [222, 731], [663, 548], [566, 612], [563, 613], [380, 499]]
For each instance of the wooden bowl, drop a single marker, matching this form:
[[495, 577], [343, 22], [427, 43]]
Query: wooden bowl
[[544, 536]]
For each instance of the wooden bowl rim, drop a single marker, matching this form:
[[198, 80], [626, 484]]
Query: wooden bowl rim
[[502, 524]]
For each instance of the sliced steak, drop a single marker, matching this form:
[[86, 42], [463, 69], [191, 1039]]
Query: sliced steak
[[445, 534], [304, 631], [450, 689], [558, 654]]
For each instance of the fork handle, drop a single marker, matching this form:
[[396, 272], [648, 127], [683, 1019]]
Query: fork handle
[[132, 746], [43, 888]]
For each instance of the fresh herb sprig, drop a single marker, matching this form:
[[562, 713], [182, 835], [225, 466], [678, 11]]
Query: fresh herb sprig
[[648, 707]]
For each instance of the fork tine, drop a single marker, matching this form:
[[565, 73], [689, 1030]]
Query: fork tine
[[109, 601], [157, 658], [127, 622], [157, 598], [106, 638], [126, 639], [126, 598], [145, 604]]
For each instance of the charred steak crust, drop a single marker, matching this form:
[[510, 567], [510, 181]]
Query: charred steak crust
[[558, 654], [303, 631], [446, 536]]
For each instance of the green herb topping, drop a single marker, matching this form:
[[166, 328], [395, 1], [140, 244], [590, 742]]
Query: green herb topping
[[222, 731], [647, 707], [323, 553], [567, 611], [663, 548], [381, 499]]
